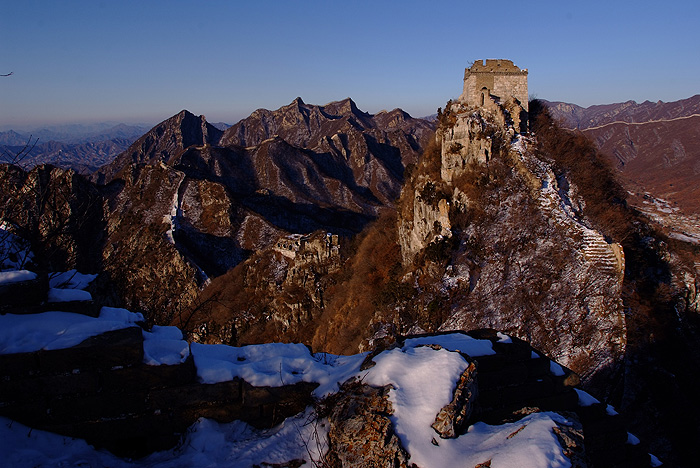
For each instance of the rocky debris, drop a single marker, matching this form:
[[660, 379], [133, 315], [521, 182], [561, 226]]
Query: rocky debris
[[361, 433], [571, 439], [453, 418]]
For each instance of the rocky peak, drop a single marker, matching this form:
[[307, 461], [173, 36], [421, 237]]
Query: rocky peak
[[163, 142]]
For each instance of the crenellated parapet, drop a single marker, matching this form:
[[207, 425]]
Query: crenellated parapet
[[497, 83]]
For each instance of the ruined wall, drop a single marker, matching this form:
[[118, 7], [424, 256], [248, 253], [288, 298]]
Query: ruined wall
[[501, 77]]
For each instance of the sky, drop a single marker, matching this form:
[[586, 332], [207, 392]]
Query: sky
[[144, 61]]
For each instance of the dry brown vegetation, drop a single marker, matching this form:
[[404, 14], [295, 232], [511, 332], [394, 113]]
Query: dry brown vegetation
[[368, 282], [576, 157], [662, 332]]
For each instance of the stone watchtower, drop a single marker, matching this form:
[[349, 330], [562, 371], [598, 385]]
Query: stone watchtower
[[496, 80]]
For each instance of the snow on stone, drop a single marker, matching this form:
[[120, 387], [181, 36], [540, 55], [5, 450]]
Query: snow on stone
[[51, 330], [455, 342], [15, 253], [273, 365], [239, 445], [164, 346], [120, 315], [16, 276], [654, 461], [632, 439], [71, 279], [207, 443], [585, 399], [503, 338], [556, 369], [684, 238], [423, 381], [611, 411], [68, 295]]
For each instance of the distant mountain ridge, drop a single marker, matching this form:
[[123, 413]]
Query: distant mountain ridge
[[81, 147], [187, 202], [72, 133], [656, 146], [582, 118]]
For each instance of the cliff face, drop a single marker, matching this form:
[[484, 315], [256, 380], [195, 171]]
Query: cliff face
[[492, 235], [188, 202], [58, 211]]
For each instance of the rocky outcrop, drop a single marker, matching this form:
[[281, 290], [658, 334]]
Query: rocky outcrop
[[57, 211], [453, 418], [276, 294], [166, 140], [361, 433], [509, 246]]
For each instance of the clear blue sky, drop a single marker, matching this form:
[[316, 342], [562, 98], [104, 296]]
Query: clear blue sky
[[143, 61]]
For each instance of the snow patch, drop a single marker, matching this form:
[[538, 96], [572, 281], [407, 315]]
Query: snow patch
[[71, 279], [455, 342], [121, 315], [585, 399], [51, 330], [274, 365], [632, 439], [68, 295], [556, 369], [502, 338], [17, 276], [423, 381], [164, 346]]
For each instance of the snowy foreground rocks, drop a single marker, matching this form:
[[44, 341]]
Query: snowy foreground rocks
[[453, 399]]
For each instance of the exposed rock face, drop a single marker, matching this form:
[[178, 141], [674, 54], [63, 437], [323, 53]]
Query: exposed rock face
[[202, 201], [454, 417], [370, 150], [361, 433], [514, 239], [164, 141], [58, 211]]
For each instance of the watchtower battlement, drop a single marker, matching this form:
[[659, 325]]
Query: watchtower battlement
[[494, 78]]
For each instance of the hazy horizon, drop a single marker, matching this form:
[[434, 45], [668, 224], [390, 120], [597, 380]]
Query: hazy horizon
[[142, 62]]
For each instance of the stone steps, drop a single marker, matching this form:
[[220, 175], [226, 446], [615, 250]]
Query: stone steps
[[595, 248], [598, 251]]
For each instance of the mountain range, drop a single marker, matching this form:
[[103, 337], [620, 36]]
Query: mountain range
[[344, 230], [655, 145], [81, 147]]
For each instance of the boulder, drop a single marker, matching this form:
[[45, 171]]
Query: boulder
[[361, 434]]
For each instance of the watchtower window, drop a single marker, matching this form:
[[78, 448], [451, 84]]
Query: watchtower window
[[482, 99]]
